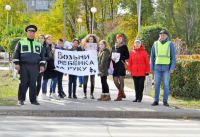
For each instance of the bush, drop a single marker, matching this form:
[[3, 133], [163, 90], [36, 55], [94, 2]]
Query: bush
[[148, 35], [81, 36], [12, 44], [111, 38], [184, 82]]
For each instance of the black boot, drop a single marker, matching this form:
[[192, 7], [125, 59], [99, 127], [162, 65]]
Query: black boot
[[135, 100]]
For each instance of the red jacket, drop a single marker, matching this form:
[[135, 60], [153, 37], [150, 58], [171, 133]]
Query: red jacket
[[138, 62]]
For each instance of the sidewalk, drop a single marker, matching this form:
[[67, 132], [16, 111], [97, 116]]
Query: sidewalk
[[92, 108]]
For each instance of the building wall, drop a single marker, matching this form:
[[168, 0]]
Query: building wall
[[38, 5]]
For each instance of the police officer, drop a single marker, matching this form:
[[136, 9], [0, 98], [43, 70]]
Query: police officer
[[163, 61], [28, 56]]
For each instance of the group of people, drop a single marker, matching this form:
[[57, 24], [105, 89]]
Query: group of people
[[35, 59]]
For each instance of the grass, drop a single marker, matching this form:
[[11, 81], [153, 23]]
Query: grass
[[178, 102], [8, 89]]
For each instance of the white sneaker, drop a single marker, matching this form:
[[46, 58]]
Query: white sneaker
[[45, 97], [54, 96]]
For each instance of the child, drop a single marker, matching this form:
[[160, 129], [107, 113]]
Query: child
[[73, 78], [59, 75]]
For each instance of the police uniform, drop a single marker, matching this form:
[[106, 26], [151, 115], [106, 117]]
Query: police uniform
[[29, 56]]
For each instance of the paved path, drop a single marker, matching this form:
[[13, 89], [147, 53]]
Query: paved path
[[97, 127], [92, 108]]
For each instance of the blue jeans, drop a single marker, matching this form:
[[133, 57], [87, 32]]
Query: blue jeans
[[80, 78], [158, 76], [72, 80], [52, 88]]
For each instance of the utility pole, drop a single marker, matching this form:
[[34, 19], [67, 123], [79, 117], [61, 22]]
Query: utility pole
[[139, 2], [64, 20]]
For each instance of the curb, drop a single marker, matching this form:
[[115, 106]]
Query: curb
[[99, 114]]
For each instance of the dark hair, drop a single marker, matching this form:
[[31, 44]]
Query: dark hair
[[76, 40], [60, 40]]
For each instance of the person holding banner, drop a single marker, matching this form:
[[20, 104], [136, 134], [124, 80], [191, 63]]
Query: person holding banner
[[139, 67], [103, 58], [89, 40], [73, 78], [119, 54], [50, 72], [59, 75]]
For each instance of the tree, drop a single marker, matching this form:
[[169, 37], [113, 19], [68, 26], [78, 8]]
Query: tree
[[181, 18]]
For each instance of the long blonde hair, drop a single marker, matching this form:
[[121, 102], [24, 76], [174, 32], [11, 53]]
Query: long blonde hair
[[86, 39], [101, 50]]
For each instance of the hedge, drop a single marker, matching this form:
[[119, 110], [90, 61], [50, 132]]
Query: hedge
[[111, 38], [184, 82], [148, 35]]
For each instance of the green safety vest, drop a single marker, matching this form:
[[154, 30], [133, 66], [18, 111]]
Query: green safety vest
[[162, 52], [26, 46]]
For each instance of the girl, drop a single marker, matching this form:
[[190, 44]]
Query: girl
[[119, 69], [89, 39], [50, 72], [103, 58], [46, 49], [139, 67]]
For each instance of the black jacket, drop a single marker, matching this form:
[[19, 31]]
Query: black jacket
[[30, 58], [49, 72], [46, 52], [119, 69], [78, 49]]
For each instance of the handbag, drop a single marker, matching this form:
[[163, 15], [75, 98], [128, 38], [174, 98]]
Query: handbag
[[147, 86], [125, 65]]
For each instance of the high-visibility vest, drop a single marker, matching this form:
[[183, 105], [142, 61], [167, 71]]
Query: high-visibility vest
[[26, 46], [162, 52]]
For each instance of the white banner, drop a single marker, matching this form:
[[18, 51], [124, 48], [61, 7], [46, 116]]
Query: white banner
[[80, 63]]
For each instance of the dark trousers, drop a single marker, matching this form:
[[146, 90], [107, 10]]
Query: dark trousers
[[60, 78], [105, 88], [85, 81], [72, 80], [39, 81], [28, 75], [139, 86]]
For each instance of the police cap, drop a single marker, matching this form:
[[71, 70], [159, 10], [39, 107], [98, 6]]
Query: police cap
[[31, 28]]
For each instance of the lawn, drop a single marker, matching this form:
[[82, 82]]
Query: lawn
[[178, 102], [8, 89]]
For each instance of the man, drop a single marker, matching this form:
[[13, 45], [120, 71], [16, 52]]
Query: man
[[163, 61], [28, 56]]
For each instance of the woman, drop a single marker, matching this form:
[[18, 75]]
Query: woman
[[89, 39], [139, 67], [103, 58], [73, 78], [119, 69], [50, 72], [41, 39]]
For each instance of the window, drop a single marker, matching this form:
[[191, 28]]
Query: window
[[32, 3]]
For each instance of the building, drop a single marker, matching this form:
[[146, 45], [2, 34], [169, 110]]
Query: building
[[38, 5]]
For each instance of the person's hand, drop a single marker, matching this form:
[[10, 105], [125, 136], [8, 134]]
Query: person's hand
[[67, 48], [53, 50], [54, 69], [41, 69], [171, 71], [114, 59], [99, 72], [84, 47], [17, 67], [152, 71]]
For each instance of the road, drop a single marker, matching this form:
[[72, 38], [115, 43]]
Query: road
[[96, 127]]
